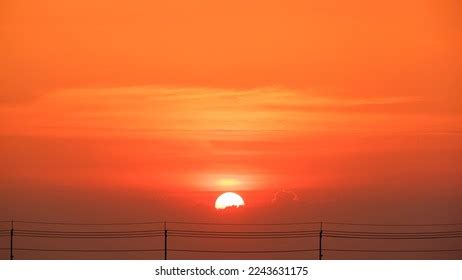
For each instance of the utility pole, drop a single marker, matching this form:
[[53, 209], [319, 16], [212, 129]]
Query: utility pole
[[11, 241], [320, 243], [165, 241]]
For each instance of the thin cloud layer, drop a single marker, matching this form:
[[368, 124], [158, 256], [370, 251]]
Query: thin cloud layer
[[156, 111]]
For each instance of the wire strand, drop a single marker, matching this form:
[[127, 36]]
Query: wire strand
[[236, 224], [88, 232], [244, 232], [393, 251], [245, 224], [397, 233], [90, 237], [89, 224], [242, 252], [391, 238], [243, 237], [83, 250], [393, 225]]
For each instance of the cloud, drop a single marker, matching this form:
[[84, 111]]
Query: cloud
[[204, 112], [284, 197]]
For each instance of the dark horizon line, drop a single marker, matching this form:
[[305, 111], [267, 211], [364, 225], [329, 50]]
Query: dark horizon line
[[230, 224]]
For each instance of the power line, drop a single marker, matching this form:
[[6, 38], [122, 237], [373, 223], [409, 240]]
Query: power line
[[394, 225], [393, 235], [398, 233], [394, 251], [245, 224], [256, 235], [88, 224], [401, 238], [87, 235], [179, 231], [239, 234], [242, 252], [244, 232], [211, 231], [244, 237], [88, 232], [92, 251], [235, 234], [236, 224], [228, 234], [159, 233], [90, 237]]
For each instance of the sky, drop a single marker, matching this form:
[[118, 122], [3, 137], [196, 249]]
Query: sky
[[311, 110]]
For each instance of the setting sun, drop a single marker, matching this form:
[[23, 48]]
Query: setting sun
[[229, 199]]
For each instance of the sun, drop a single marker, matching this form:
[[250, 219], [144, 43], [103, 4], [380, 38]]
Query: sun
[[229, 199]]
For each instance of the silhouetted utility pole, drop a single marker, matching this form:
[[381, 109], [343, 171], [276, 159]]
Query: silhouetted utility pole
[[11, 241], [165, 241], [320, 243]]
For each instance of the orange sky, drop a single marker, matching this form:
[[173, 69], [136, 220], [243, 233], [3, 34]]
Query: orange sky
[[354, 98]]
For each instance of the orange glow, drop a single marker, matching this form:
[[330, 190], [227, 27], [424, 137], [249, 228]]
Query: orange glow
[[208, 96], [228, 182]]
